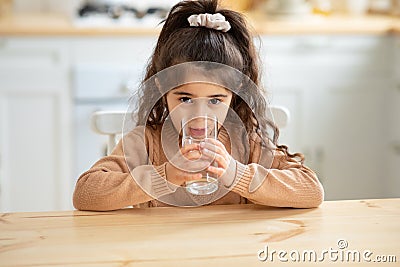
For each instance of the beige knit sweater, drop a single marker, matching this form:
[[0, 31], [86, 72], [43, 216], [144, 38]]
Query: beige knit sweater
[[134, 175]]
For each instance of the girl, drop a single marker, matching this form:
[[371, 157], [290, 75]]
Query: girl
[[203, 55]]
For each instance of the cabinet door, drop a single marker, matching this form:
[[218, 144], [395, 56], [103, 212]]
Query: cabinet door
[[34, 128], [336, 88], [115, 55], [347, 130], [105, 73], [393, 147]]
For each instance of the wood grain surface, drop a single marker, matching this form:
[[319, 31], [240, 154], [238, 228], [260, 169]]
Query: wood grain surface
[[230, 235]]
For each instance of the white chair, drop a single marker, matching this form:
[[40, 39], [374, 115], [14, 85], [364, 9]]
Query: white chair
[[111, 122], [280, 115], [108, 123]]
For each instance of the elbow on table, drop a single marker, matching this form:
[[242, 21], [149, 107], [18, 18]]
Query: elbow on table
[[82, 201], [79, 199], [311, 195], [320, 194], [317, 201], [314, 199], [82, 198]]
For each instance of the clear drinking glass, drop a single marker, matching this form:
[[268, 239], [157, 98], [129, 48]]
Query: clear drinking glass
[[196, 129]]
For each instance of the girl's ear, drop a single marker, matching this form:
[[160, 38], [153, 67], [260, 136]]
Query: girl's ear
[[233, 100], [164, 97], [157, 82], [164, 102]]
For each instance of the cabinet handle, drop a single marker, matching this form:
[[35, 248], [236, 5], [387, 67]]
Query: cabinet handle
[[396, 148], [56, 57], [316, 157], [320, 154], [3, 43], [124, 88]]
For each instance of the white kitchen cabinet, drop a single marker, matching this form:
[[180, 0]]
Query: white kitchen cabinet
[[105, 73], [35, 126], [44, 135], [335, 88], [393, 145]]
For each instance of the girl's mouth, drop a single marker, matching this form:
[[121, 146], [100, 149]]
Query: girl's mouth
[[197, 132]]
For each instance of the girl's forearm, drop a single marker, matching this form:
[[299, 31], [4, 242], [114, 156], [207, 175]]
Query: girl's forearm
[[291, 187]]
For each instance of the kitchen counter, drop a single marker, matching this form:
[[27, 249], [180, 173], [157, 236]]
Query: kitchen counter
[[56, 25], [338, 24], [233, 235]]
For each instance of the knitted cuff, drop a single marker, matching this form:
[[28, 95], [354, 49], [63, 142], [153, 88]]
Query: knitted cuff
[[242, 179], [230, 174], [160, 185]]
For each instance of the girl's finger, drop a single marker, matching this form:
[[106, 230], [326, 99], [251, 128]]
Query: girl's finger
[[192, 155], [213, 147], [221, 160], [187, 177], [215, 142], [189, 147], [217, 171], [183, 177]]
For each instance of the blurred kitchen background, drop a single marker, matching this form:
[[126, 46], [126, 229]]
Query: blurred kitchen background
[[333, 63]]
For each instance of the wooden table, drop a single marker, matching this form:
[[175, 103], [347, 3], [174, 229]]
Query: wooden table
[[234, 235]]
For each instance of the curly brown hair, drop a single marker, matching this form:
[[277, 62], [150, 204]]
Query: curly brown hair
[[178, 42]]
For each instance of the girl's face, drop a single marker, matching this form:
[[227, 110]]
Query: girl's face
[[198, 99]]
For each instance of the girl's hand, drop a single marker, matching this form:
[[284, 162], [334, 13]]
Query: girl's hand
[[216, 150], [185, 164]]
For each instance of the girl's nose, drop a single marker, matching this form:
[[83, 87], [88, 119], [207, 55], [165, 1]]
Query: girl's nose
[[200, 106]]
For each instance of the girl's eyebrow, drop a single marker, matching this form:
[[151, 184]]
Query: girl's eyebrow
[[182, 93], [189, 94], [218, 95]]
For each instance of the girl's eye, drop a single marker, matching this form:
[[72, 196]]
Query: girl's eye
[[186, 100], [214, 101]]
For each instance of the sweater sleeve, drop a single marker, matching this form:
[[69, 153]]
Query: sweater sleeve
[[121, 179], [283, 183]]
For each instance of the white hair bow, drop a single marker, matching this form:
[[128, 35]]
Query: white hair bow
[[212, 21]]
